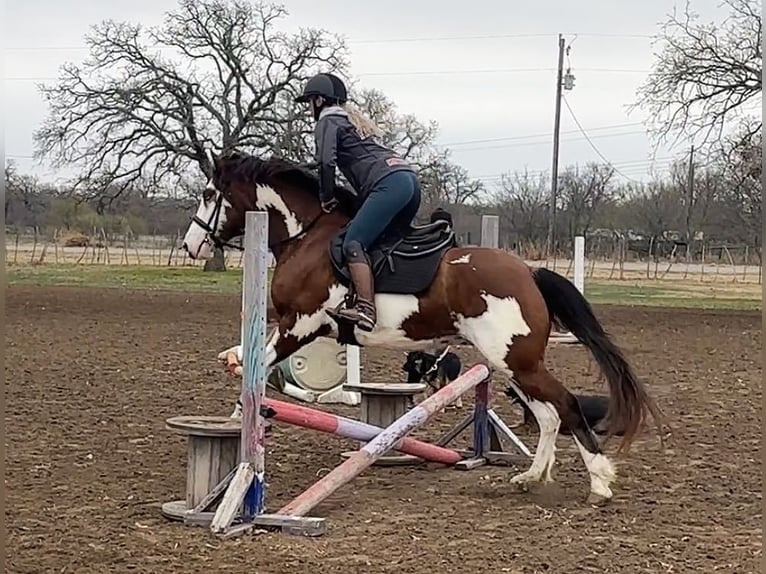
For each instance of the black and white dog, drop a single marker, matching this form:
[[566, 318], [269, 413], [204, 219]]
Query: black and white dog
[[434, 370]]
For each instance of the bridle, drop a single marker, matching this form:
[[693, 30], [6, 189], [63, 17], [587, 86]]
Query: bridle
[[211, 225]]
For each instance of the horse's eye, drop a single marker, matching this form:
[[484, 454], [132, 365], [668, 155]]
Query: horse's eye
[[208, 194]]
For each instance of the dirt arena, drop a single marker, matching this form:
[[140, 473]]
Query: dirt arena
[[92, 375]]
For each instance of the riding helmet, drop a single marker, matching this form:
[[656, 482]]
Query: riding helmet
[[329, 86]]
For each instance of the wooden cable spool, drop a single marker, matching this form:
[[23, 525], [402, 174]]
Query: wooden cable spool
[[213, 445], [381, 405]]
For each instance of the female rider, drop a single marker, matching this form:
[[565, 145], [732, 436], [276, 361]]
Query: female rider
[[386, 184]]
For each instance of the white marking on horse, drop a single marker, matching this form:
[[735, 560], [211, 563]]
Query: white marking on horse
[[197, 240], [600, 469], [464, 259], [545, 454], [493, 331], [267, 197], [392, 312]]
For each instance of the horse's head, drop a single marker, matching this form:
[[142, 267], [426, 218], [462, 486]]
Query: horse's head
[[241, 183]]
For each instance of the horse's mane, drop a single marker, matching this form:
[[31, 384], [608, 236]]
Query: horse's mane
[[252, 169]]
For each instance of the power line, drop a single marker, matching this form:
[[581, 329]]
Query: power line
[[495, 37], [576, 121], [447, 38], [380, 40], [481, 148], [637, 166], [545, 142], [541, 135], [417, 73], [500, 71]]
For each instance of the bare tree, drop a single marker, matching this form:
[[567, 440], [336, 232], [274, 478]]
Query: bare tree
[[403, 132], [446, 183], [148, 103], [522, 203], [656, 209], [26, 199], [743, 186], [706, 77], [582, 193]]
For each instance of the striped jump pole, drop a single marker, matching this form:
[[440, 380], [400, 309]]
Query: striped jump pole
[[357, 430], [369, 453]]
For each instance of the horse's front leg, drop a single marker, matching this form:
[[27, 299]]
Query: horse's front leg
[[282, 343], [233, 356]]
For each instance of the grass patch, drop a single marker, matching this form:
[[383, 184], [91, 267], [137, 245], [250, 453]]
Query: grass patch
[[693, 295], [126, 277], [667, 294]]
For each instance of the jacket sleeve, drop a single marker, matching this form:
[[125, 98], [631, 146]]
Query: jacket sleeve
[[326, 136]]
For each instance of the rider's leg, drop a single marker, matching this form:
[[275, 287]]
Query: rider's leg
[[403, 220], [392, 194]]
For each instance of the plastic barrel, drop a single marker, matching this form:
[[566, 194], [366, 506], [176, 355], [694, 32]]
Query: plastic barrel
[[319, 366]]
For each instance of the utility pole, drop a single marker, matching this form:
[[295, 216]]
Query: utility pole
[[555, 168]]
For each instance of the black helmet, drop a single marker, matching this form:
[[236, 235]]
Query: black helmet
[[328, 86]]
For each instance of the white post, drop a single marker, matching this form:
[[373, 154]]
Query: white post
[[249, 482], [490, 231], [579, 263], [579, 282], [353, 365]]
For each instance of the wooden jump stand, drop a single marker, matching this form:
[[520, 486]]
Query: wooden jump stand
[[242, 490], [488, 428], [212, 446]]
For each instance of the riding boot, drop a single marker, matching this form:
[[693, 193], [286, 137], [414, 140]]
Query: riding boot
[[363, 312]]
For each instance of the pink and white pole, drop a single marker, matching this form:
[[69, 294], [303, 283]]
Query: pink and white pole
[[357, 430], [383, 442]]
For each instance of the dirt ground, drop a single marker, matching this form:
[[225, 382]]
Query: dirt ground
[[92, 375]]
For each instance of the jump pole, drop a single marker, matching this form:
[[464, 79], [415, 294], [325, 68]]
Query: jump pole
[[356, 430], [366, 456], [244, 498]]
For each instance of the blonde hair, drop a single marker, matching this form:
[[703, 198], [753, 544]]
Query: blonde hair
[[364, 125]]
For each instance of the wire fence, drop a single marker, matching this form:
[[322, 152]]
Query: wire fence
[[712, 265]]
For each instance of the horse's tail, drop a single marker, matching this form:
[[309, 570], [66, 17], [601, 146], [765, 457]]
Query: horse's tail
[[628, 399]]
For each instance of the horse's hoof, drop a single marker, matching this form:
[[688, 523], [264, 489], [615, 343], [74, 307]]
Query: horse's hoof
[[598, 499], [521, 486], [524, 481]]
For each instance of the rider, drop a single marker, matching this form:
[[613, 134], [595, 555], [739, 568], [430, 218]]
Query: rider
[[386, 184]]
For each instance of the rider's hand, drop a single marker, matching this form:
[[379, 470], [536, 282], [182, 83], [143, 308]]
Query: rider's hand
[[328, 206]]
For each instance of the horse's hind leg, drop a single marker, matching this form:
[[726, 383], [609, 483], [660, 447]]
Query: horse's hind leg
[[542, 388], [526, 385]]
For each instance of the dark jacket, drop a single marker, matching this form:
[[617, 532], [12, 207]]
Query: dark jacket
[[363, 162]]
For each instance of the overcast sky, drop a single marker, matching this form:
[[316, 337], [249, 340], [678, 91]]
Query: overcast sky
[[484, 70]]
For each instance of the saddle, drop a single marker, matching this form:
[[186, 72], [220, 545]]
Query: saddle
[[403, 264]]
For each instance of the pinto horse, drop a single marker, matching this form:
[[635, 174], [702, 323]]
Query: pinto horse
[[427, 291]]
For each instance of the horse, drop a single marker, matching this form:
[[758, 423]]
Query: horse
[[428, 291]]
